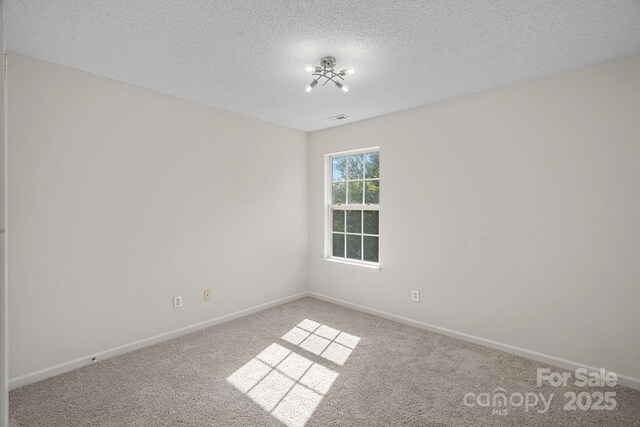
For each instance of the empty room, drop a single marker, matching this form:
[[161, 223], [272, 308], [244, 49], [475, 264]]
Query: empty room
[[299, 213]]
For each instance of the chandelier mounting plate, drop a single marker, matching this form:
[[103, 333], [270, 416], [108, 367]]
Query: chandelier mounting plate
[[328, 62]]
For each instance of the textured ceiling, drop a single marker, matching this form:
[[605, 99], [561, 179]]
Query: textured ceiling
[[248, 56]]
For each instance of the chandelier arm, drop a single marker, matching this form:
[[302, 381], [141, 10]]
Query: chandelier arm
[[328, 80], [326, 76], [336, 75]]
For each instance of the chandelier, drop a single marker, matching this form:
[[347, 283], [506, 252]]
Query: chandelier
[[326, 71]]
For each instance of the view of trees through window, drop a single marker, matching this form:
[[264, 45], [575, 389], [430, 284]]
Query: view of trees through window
[[355, 204]]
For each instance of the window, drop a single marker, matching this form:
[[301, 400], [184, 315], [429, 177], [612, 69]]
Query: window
[[353, 206]]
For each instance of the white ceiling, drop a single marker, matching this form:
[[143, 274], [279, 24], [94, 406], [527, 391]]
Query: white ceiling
[[248, 56]]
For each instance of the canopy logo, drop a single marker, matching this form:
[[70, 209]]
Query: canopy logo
[[500, 402]]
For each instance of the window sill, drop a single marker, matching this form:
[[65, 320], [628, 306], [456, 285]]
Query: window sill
[[373, 268]]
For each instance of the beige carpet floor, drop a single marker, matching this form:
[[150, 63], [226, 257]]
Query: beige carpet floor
[[309, 363]]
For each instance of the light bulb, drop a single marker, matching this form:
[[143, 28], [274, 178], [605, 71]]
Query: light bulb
[[309, 68], [311, 85], [351, 71], [343, 87]]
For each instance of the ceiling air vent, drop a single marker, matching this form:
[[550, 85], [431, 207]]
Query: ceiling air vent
[[338, 117]]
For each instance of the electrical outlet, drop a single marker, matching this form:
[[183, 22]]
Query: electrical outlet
[[177, 301], [415, 296], [207, 295]]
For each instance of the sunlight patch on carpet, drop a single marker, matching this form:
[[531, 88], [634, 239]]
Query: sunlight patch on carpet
[[288, 385], [322, 340]]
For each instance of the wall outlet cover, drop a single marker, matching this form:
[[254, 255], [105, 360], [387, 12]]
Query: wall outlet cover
[[207, 294], [415, 295], [177, 301]]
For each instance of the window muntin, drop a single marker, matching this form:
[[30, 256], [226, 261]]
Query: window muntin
[[354, 205]]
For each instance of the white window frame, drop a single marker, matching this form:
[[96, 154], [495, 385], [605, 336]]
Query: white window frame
[[329, 207]]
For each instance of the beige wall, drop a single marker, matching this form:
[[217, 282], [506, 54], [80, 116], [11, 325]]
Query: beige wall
[[515, 212], [121, 197]]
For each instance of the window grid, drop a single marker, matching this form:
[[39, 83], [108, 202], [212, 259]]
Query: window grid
[[346, 179], [345, 233]]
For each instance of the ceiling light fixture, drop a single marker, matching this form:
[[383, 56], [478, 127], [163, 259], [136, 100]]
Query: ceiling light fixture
[[327, 71]]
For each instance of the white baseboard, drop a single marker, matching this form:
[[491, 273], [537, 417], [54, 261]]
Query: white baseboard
[[61, 368], [624, 380]]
